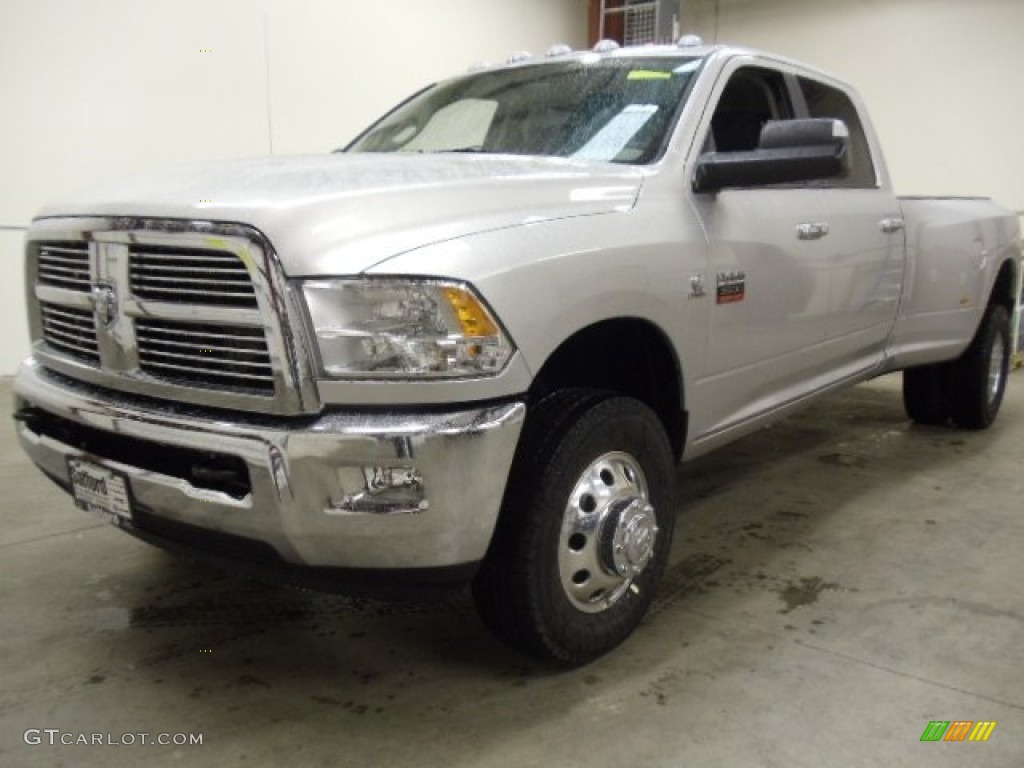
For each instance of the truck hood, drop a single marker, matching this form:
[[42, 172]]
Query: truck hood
[[344, 213]]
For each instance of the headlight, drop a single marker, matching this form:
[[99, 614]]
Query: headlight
[[404, 329]]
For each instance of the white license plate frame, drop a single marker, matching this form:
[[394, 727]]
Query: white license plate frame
[[99, 490]]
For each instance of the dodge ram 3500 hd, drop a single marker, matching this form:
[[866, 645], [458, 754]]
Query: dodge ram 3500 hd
[[470, 347]]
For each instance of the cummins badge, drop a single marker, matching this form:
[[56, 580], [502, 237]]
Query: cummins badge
[[732, 287]]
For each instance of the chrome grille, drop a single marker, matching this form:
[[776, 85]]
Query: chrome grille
[[190, 276], [64, 265], [71, 331], [184, 311], [203, 355]]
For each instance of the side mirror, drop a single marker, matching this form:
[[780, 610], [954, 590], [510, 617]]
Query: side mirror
[[788, 151]]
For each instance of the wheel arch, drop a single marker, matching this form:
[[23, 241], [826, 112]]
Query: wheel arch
[[628, 355], [1004, 288]]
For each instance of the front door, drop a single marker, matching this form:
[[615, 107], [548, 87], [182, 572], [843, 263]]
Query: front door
[[768, 278]]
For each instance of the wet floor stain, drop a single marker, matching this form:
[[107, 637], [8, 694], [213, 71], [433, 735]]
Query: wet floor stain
[[248, 680], [687, 577], [352, 706], [659, 689], [256, 605], [788, 514], [843, 460], [803, 592]]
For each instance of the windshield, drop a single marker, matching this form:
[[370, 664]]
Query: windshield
[[614, 110]]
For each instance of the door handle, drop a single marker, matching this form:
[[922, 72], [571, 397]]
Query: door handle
[[812, 230], [890, 226]]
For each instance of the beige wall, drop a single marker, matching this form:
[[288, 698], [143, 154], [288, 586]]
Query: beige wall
[[95, 89], [942, 78]]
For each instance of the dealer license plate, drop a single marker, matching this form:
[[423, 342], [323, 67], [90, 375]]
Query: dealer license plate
[[99, 490]]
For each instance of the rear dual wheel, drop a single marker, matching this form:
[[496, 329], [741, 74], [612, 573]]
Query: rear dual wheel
[[970, 389], [585, 528]]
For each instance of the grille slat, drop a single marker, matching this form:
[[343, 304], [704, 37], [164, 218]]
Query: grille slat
[[190, 276], [188, 295], [80, 284], [233, 281], [65, 266], [189, 371], [71, 331], [77, 326], [71, 249], [251, 335], [74, 318], [68, 313], [53, 267], [176, 269], [255, 349], [236, 361], [74, 340], [238, 357], [178, 255], [65, 261]]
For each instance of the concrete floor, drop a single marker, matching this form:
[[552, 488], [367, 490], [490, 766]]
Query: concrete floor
[[838, 581]]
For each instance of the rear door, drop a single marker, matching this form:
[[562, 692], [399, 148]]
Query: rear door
[[864, 242]]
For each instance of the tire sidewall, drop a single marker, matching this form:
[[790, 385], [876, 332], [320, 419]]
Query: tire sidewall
[[615, 424], [1000, 328], [996, 326]]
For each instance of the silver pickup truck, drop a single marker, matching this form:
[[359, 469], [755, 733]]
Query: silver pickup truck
[[471, 347]]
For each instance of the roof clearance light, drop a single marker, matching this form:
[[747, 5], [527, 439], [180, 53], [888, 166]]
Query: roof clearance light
[[606, 46], [561, 49], [690, 41], [519, 57], [479, 66]]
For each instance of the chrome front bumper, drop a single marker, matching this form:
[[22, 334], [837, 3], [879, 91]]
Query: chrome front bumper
[[348, 489]]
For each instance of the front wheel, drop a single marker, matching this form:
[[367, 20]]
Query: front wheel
[[585, 529]]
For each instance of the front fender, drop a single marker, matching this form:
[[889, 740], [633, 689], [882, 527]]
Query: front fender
[[546, 281]]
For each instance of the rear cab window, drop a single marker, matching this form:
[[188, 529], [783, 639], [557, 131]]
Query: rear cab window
[[825, 101]]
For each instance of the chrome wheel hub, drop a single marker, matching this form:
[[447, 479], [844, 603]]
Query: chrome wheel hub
[[608, 535], [630, 547], [995, 368]]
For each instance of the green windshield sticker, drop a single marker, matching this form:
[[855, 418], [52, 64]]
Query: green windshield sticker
[[648, 74]]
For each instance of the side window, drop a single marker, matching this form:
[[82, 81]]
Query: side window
[[825, 101], [752, 97]]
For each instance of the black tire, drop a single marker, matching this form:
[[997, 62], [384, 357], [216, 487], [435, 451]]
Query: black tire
[[926, 394], [978, 377], [521, 590]]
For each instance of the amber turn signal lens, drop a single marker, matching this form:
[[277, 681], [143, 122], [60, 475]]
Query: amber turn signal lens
[[473, 318]]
